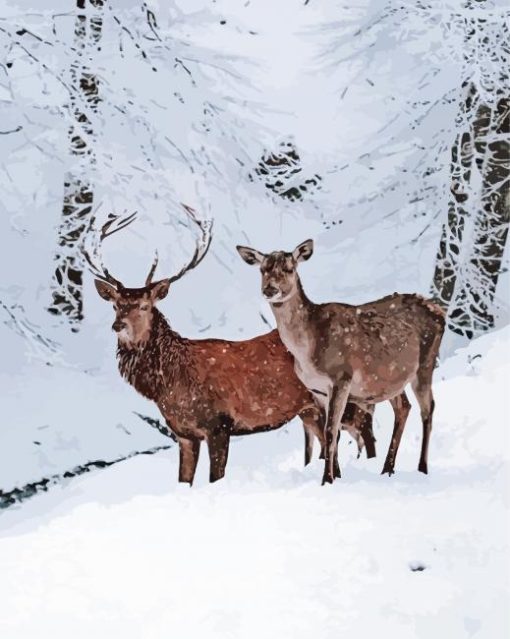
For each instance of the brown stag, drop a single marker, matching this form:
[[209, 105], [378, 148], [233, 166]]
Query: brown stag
[[207, 389], [366, 353]]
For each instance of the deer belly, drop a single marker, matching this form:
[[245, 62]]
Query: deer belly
[[380, 383]]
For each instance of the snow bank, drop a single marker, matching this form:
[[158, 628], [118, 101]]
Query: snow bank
[[55, 416], [268, 551]]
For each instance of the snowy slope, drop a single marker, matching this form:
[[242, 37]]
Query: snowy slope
[[268, 551], [55, 415]]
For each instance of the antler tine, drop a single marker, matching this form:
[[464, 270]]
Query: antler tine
[[101, 272], [112, 218], [203, 242], [152, 270], [93, 267]]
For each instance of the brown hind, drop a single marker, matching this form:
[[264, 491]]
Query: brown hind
[[366, 354]]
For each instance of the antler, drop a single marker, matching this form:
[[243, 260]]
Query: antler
[[149, 277], [201, 248], [113, 224]]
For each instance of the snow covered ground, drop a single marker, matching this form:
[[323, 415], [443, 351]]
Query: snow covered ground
[[270, 553], [56, 416]]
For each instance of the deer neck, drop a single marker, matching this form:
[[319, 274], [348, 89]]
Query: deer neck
[[148, 366], [293, 319]]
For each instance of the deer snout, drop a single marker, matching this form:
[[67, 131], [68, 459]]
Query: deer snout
[[269, 291], [118, 325]]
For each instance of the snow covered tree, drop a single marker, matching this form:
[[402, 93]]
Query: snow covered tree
[[447, 261], [435, 146], [78, 201], [281, 172], [472, 245], [138, 114]]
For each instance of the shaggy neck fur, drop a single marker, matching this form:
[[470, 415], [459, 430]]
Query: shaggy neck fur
[[152, 365]]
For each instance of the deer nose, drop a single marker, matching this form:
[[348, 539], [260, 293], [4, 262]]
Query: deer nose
[[118, 325], [269, 291]]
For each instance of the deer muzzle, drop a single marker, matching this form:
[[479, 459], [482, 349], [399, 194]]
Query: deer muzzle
[[119, 325], [269, 291]]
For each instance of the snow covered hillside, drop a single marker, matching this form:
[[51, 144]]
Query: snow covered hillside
[[268, 552]]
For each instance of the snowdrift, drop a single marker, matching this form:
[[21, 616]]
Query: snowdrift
[[268, 552]]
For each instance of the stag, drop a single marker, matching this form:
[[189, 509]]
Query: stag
[[208, 389], [366, 353]]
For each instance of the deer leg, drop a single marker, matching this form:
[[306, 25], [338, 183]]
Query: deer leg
[[423, 393], [337, 403], [189, 450], [401, 407], [322, 454], [351, 423], [367, 434], [308, 444], [312, 424], [336, 464], [322, 438], [218, 442], [358, 423], [422, 387]]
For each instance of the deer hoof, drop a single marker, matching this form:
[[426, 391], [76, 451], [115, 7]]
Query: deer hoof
[[389, 470], [422, 467]]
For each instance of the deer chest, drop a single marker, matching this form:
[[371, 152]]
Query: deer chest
[[311, 377]]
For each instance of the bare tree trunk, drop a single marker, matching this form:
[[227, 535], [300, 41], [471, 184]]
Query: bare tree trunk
[[67, 283], [472, 245], [447, 260], [472, 309]]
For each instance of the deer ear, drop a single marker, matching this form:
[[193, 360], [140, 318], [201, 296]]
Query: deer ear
[[303, 251], [106, 291], [249, 255], [159, 290]]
